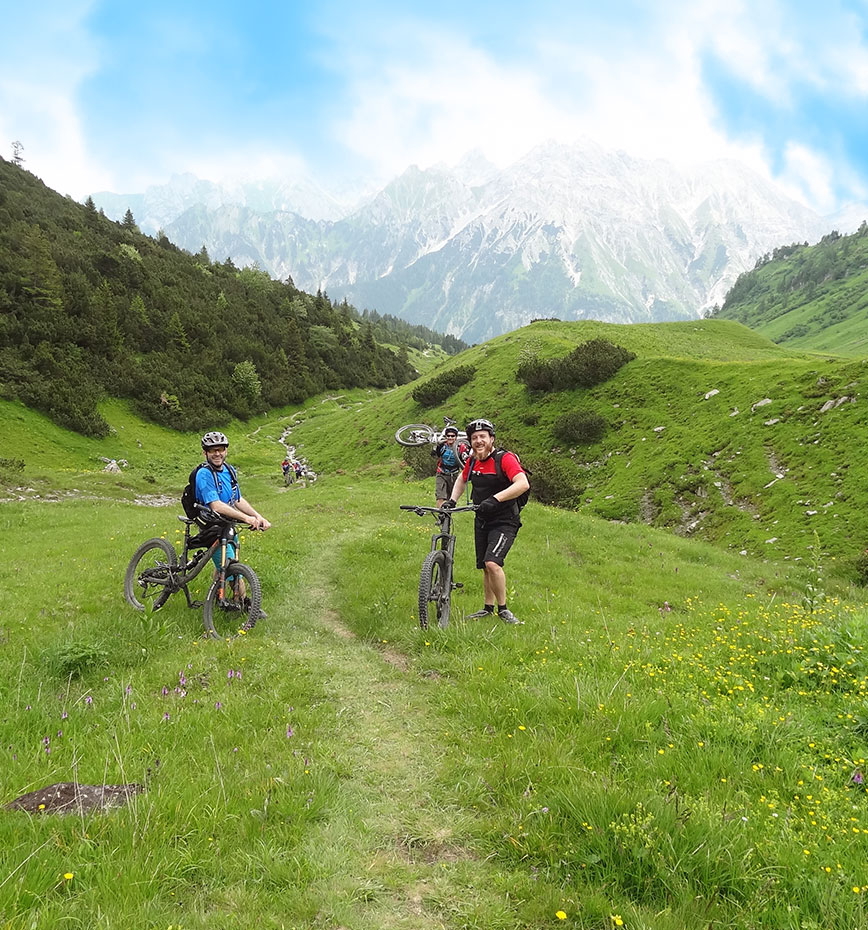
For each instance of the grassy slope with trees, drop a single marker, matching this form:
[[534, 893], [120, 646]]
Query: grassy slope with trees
[[677, 737], [91, 308], [761, 480], [808, 297]]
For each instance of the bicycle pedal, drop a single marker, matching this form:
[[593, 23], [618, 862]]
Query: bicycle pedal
[[197, 604], [457, 584]]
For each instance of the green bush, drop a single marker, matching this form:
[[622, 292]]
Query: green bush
[[860, 569], [537, 374], [553, 482], [435, 390], [593, 362], [72, 660], [419, 461], [9, 465], [579, 426]]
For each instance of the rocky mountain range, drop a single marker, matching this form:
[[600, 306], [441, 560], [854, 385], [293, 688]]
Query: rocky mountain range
[[572, 232]]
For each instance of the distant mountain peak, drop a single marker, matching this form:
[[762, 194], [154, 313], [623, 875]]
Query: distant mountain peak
[[567, 230]]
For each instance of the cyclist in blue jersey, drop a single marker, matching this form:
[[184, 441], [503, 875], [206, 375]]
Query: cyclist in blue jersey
[[451, 456], [217, 487]]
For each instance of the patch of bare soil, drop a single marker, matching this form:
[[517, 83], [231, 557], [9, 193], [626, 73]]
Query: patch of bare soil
[[68, 797], [648, 510]]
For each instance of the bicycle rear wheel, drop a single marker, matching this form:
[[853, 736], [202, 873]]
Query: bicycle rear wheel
[[240, 607], [435, 589], [147, 576], [415, 434]]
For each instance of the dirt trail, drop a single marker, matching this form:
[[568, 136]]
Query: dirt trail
[[397, 863]]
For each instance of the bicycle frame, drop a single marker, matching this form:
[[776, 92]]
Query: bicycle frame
[[189, 568], [435, 583]]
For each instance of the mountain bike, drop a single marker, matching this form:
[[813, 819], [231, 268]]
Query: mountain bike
[[418, 434], [435, 580], [156, 572]]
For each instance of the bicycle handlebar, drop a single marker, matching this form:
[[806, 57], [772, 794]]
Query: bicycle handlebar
[[416, 508], [212, 522]]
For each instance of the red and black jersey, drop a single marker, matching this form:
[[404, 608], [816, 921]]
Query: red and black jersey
[[485, 481]]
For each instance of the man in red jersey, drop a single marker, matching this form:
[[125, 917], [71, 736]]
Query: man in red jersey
[[497, 520]]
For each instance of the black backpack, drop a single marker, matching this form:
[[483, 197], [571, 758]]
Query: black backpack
[[522, 499], [188, 496]]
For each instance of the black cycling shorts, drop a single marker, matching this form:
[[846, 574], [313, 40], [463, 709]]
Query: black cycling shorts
[[493, 541]]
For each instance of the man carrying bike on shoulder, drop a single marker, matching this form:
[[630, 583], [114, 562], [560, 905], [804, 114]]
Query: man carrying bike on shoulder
[[451, 456], [497, 519]]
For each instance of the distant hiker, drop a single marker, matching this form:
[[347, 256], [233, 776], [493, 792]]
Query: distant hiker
[[297, 469], [500, 488], [288, 471], [451, 456], [217, 488]]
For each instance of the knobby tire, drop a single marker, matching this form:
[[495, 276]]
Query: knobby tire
[[435, 589], [239, 610], [150, 565]]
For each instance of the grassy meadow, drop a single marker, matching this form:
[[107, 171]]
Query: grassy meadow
[[676, 737]]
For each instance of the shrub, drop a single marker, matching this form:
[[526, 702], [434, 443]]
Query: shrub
[[435, 390], [72, 660], [591, 363], [10, 465], [860, 569], [579, 426], [553, 482], [420, 462], [537, 374]]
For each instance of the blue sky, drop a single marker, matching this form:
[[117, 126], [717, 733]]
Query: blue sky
[[116, 96]]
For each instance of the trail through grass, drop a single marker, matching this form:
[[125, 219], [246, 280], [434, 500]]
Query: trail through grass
[[677, 737]]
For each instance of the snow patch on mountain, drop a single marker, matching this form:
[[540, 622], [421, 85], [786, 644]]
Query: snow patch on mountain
[[571, 231]]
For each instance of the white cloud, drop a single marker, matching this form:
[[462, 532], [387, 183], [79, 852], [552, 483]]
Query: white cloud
[[46, 123], [647, 99], [419, 94], [808, 176], [817, 180], [240, 162], [46, 53], [451, 99]]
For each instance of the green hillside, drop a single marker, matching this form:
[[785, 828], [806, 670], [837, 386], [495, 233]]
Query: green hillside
[[675, 738], [758, 467], [808, 297], [91, 309], [761, 480]]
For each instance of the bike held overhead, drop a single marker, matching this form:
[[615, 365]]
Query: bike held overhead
[[419, 434], [499, 489], [451, 454]]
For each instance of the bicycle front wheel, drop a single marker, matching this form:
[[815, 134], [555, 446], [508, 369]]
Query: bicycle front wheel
[[149, 573], [239, 608], [415, 434], [435, 589]]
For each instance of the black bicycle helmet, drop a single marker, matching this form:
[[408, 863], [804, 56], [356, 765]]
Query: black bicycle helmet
[[214, 438], [475, 425]]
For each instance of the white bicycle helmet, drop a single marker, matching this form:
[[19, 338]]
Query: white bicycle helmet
[[214, 438]]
